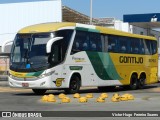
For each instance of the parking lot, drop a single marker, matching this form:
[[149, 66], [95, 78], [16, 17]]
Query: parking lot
[[25, 99], [14, 99]]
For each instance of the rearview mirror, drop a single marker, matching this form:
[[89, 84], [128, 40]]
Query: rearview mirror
[[50, 42]]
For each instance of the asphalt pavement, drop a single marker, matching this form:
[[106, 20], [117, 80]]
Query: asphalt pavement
[[14, 99]]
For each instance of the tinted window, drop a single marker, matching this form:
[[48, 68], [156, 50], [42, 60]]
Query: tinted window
[[90, 41], [154, 47], [59, 48], [87, 41], [112, 43], [148, 49], [123, 44], [142, 49], [66, 34], [95, 42], [135, 46], [81, 42]]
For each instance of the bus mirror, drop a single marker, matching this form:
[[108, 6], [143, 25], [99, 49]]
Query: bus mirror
[[4, 45], [50, 42]]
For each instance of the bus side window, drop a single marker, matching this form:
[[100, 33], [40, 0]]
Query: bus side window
[[112, 43], [85, 46], [142, 49], [67, 35], [55, 56], [95, 42], [154, 47], [135, 46], [104, 43], [123, 44], [79, 42], [147, 46]]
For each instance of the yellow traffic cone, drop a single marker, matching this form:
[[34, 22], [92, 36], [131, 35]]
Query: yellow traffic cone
[[61, 95], [76, 95], [83, 100], [66, 100], [104, 95], [100, 99], [89, 95]]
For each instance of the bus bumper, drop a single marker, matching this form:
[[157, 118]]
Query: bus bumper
[[41, 83]]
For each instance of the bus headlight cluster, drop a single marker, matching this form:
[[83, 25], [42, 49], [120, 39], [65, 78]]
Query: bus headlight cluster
[[46, 74]]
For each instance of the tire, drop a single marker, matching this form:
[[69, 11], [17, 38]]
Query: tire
[[133, 82], [141, 81], [106, 88], [74, 85], [39, 91]]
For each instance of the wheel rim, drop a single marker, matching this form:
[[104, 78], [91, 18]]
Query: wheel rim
[[74, 85], [142, 82], [134, 82]]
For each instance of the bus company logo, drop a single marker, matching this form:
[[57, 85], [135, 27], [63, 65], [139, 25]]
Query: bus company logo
[[77, 59], [127, 59], [6, 114], [59, 81]]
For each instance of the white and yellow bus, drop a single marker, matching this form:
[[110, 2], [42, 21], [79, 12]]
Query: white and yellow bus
[[68, 56]]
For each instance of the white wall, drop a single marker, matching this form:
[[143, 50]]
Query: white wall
[[119, 25], [15, 16]]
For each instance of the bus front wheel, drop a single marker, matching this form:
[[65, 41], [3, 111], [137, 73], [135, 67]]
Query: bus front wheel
[[39, 91], [74, 85]]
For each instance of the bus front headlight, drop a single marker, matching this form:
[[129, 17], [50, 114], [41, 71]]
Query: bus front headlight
[[47, 74]]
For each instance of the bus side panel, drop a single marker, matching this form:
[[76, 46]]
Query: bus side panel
[[127, 64], [94, 68], [79, 63]]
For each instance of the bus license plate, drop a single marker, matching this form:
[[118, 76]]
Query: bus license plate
[[25, 85]]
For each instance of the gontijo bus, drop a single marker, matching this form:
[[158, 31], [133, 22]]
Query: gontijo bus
[[68, 56]]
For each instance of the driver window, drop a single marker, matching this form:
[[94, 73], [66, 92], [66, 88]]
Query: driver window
[[55, 55]]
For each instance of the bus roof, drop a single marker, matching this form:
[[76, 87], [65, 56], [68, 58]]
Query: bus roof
[[50, 27]]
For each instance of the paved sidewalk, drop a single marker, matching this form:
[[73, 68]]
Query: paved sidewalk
[[3, 80]]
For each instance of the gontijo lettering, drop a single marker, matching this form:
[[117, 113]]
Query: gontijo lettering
[[128, 59]]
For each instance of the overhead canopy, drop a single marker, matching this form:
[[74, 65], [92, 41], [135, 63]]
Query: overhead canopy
[[151, 20], [70, 15]]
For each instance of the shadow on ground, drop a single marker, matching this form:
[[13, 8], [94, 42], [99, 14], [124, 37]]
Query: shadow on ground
[[93, 90]]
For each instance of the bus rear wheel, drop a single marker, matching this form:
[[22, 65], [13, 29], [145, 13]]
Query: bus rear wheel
[[39, 91], [74, 85], [141, 81], [133, 82]]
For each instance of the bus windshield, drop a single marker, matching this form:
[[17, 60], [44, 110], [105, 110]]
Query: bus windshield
[[29, 51]]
